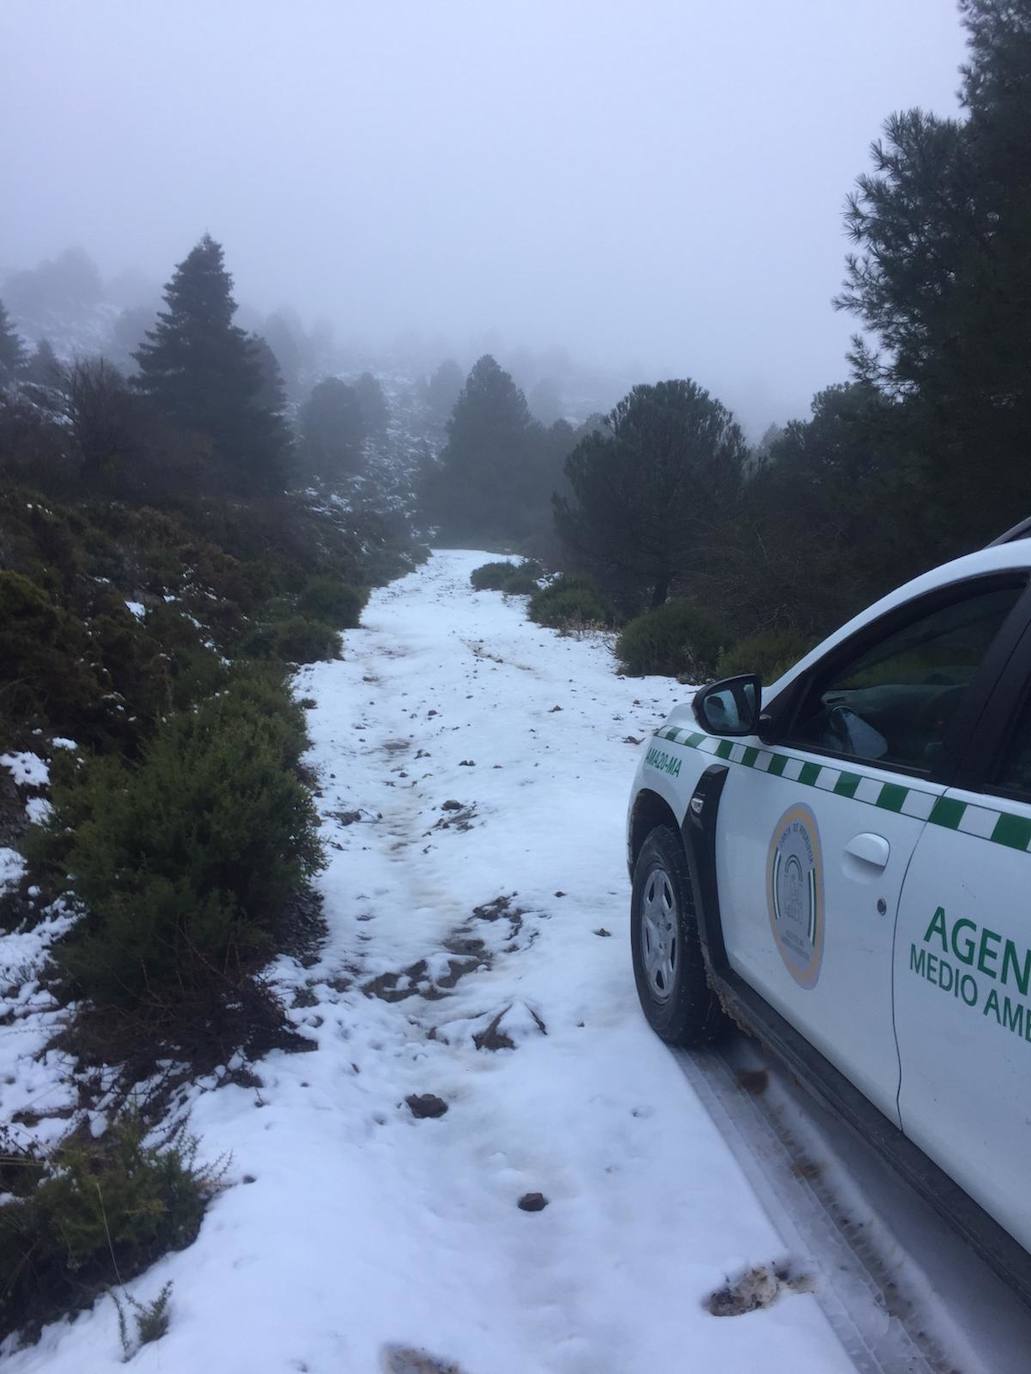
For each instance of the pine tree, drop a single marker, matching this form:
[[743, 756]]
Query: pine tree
[[203, 373], [331, 431], [272, 395], [942, 276], [443, 389], [478, 489], [44, 380], [12, 350], [647, 490], [372, 404]]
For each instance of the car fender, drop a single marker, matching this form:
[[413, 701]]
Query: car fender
[[667, 774]]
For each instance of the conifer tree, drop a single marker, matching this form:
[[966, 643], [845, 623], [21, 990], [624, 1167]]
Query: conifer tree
[[12, 350], [331, 431], [477, 489], [203, 373], [43, 378], [443, 389], [371, 403], [941, 275], [647, 490]]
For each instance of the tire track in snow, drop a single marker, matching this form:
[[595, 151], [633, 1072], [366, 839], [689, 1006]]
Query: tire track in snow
[[837, 1206]]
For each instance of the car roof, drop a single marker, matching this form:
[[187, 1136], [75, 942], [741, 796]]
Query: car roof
[[998, 557]]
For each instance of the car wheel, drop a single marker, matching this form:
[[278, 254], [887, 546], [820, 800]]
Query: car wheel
[[668, 964]]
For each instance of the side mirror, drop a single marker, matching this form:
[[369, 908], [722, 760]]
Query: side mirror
[[730, 707]]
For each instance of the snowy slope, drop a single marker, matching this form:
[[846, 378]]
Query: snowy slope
[[351, 1228]]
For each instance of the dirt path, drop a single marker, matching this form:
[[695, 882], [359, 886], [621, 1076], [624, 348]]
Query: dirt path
[[479, 1046]]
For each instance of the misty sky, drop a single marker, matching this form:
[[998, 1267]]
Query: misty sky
[[657, 185]]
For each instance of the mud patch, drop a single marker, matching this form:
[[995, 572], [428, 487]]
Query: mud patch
[[502, 909], [456, 817], [429, 979], [346, 817], [468, 946], [512, 1021], [755, 1289], [502, 1028], [405, 1359]]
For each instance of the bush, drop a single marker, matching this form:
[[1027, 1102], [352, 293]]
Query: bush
[[492, 577], [674, 640], [296, 639], [516, 579], [568, 602], [522, 583], [337, 603], [769, 653], [186, 860], [106, 1210], [73, 660], [44, 673]]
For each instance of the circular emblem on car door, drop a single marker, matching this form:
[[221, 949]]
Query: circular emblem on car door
[[794, 894]]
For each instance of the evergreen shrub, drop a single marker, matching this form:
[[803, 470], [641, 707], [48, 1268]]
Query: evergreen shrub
[[185, 860], [103, 1213], [522, 583], [673, 640], [569, 602], [44, 668], [492, 577], [296, 639], [768, 653], [515, 579], [335, 602]]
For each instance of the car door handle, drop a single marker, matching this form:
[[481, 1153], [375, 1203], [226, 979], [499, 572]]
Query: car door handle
[[872, 849]]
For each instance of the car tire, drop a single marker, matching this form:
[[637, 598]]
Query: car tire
[[669, 968]]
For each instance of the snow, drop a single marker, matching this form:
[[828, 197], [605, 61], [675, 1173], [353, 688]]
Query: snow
[[28, 770], [59, 742], [136, 608], [38, 810], [33, 1078], [12, 869], [366, 1229]]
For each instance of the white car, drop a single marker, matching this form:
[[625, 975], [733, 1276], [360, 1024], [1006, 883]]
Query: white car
[[841, 862]]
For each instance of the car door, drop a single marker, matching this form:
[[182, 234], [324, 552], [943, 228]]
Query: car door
[[814, 834], [963, 968]]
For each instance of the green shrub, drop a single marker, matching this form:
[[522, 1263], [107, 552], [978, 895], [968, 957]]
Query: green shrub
[[492, 577], [768, 653], [516, 579], [44, 670], [522, 583], [106, 1210], [568, 602], [186, 860], [337, 603], [297, 639], [674, 640], [99, 675]]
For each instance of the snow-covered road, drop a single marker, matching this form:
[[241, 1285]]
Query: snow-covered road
[[474, 771]]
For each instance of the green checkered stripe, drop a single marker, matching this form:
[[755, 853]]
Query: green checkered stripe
[[999, 827]]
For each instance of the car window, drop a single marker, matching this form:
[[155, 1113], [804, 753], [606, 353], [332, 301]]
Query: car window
[[893, 701], [1014, 771]]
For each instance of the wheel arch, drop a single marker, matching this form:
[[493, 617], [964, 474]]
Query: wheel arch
[[650, 810]]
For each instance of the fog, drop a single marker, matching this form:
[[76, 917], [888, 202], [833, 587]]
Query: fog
[[655, 186]]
